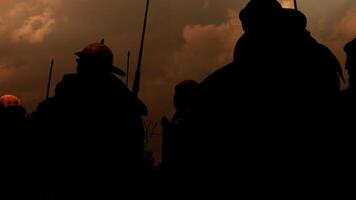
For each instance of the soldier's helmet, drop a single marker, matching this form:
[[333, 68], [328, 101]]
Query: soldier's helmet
[[350, 49], [100, 57], [7, 101]]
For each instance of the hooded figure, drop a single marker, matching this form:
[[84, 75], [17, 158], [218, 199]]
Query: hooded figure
[[259, 107]]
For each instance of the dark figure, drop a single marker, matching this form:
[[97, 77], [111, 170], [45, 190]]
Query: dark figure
[[16, 155], [179, 137], [12, 113], [266, 112], [350, 50], [98, 134], [347, 105], [345, 142]]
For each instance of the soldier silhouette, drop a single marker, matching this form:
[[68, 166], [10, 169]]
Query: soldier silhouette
[[350, 50], [346, 103], [180, 137], [260, 107], [98, 136], [12, 113], [16, 150], [346, 124]]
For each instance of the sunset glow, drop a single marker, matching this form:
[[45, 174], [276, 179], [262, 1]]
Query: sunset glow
[[181, 43]]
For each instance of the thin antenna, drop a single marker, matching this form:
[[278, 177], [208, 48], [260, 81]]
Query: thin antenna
[[295, 5], [128, 69], [136, 86], [50, 78]]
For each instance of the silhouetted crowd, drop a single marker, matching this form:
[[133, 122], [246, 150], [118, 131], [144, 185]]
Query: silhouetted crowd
[[271, 124]]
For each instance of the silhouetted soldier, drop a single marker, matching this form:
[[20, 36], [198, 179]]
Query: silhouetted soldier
[[180, 137], [98, 130], [15, 141], [286, 53], [346, 98], [12, 113], [264, 109], [345, 140], [350, 50]]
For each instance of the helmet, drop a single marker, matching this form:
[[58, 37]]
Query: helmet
[[10, 101], [99, 53]]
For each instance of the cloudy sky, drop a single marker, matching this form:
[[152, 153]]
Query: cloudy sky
[[186, 39]]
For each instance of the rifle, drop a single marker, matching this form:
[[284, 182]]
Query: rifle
[[136, 86], [50, 78]]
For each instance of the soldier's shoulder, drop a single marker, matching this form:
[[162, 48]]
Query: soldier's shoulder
[[70, 77], [219, 76]]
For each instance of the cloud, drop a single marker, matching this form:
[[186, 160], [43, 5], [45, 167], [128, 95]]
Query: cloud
[[2, 25], [185, 39], [35, 28], [5, 73], [337, 34], [206, 4], [17, 9], [346, 28], [206, 48], [287, 4]]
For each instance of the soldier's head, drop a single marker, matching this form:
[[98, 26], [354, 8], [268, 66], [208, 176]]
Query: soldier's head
[[293, 21], [260, 15], [97, 58], [8, 100], [188, 95], [11, 107], [350, 49]]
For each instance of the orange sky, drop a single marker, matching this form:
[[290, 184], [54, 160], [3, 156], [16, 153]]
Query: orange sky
[[186, 39]]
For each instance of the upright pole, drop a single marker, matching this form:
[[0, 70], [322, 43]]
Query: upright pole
[[128, 69], [295, 5], [50, 78], [136, 86]]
